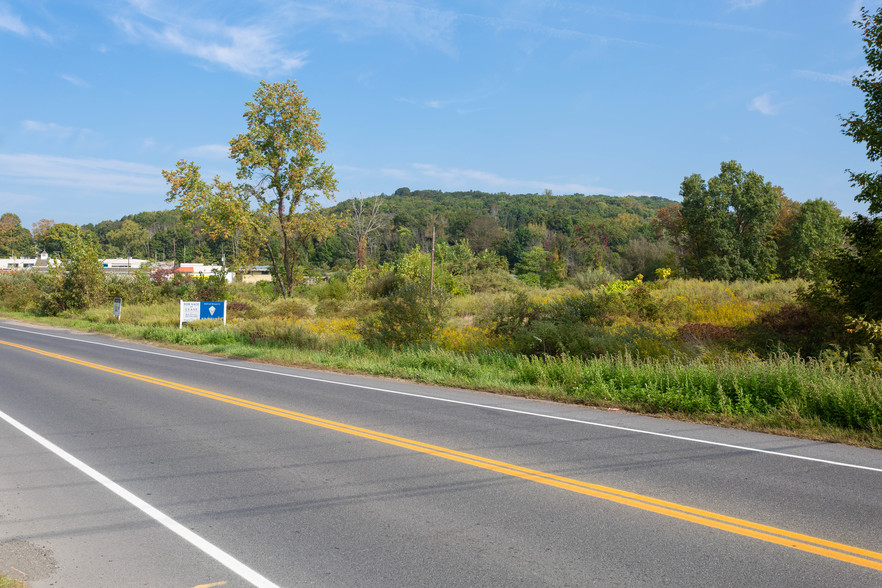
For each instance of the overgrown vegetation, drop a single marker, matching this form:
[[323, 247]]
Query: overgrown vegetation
[[739, 306], [747, 354]]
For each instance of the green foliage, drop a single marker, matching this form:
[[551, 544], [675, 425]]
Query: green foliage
[[14, 238], [593, 278], [280, 150], [410, 314], [77, 282], [855, 273], [817, 230], [867, 127], [729, 222], [130, 239], [136, 288], [565, 325], [21, 291]]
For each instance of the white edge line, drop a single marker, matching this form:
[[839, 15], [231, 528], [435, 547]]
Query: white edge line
[[462, 402], [210, 549]]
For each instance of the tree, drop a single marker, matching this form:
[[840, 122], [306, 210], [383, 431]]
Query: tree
[[53, 237], [728, 222], [484, 233], [855, 273], [130, 238], [280, 150], [363, 226], [14, 238], [867, 127], [77, 281], [816, 231], [278, 206]]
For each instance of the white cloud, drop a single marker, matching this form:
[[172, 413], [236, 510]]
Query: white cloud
[[13, 23], [74, 80], [252, 49], [854, 12], [81, 173], [467, 179], [78, 138], [210, 151], [763, 104], [744, 4], [55, 130], [844, 77]]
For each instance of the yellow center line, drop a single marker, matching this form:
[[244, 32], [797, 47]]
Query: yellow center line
[[830, 549]]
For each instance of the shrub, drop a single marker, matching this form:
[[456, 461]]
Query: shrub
[[77, 282], [593, 278], [410, 314], [20, 291], [564, 325], [289, 308], [799, 328]]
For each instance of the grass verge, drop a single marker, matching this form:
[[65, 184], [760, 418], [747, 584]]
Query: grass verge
[[782, 395]]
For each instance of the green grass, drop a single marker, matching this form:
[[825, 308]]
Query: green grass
[[10, 583], [783, 394]]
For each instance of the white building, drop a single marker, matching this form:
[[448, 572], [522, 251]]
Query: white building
[[14, 264], [202, 270]]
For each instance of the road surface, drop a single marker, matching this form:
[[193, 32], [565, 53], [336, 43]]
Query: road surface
[[123, 464]]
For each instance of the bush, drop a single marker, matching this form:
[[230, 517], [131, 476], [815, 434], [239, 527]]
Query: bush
[[565, 325], [409, 315], [20, 291], [77, 282], [289, 308], [799, 328], [593, 278]]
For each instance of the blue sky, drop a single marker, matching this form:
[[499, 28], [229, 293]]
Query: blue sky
[[608, 97]]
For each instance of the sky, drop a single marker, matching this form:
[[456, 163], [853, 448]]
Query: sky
[[592, 97]]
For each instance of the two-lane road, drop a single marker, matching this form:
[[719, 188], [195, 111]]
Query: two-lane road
[[128, 465]]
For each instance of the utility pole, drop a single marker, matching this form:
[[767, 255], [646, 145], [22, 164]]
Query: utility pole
[[432, 263]]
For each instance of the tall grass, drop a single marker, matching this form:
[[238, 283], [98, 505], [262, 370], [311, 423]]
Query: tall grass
[[681, 363]]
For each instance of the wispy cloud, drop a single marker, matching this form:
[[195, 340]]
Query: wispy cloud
[[74, 80], [415, 22], [844, 77], [764, 105], [854, 12], [14, 24], [552, 31], [465, 179], [685, 22], [210, 151], [49, 131], [745, 4], [104, 175], [253, 49]]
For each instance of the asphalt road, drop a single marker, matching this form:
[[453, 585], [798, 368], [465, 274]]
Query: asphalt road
[[129, 465]]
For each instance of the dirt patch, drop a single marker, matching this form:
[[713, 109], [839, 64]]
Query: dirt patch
[[22, 560]]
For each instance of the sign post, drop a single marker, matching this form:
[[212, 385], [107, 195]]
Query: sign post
[[117, 308], [197, 311]]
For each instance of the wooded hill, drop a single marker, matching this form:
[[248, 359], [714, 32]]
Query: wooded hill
[[585, 231]]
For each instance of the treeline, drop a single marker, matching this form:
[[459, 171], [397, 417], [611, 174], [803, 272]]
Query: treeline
[[735, 226]]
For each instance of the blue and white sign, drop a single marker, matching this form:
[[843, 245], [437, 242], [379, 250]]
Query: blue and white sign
[[197, 311]]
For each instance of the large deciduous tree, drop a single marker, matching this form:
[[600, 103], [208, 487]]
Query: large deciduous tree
[[867, 127], [280, 150], [855, 274], [728, 222], [278, 203], [14, 238], [816, 231]]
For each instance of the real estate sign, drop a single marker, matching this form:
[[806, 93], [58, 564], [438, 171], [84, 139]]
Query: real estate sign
[[199, 310], [117, 308]]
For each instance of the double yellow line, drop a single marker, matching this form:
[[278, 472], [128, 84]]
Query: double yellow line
[[830, 549]]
